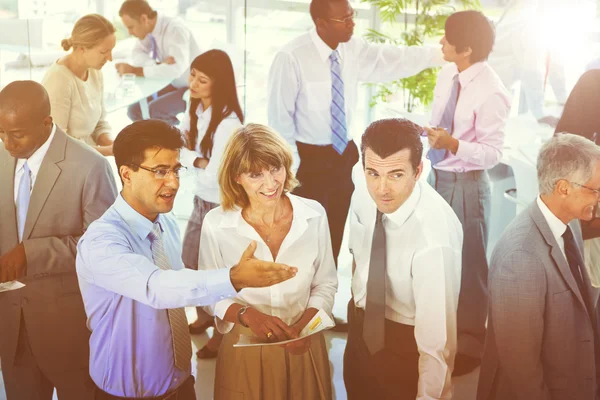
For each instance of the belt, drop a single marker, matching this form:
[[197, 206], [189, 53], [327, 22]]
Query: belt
[[459, 176], [172, 395]]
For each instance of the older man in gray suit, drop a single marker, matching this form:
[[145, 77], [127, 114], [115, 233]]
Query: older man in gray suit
[[51, 188], [542, 337]]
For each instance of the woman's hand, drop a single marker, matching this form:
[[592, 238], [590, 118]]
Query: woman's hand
[[301, 346], [200, 163], [262, 324]]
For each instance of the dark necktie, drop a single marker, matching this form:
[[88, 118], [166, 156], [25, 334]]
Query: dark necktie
[[374, 321], [573, 258], [576, 264]]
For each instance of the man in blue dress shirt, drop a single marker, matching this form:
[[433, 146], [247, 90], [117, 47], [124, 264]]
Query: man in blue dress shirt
[[133, 281]]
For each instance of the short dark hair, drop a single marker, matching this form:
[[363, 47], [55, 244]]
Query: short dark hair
[[388, 136], [136, 138], [472, 29], [25, 97], [320, 8], [136, 8]]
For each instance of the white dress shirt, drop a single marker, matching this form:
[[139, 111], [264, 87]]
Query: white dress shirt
[[479, 120], [299, 89], [557, 227], [307, 246], [34, 163], [207, 184], [424, 249], [173, 39]]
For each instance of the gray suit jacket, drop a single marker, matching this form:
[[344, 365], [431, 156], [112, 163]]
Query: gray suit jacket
[[74, 187], [540, 342]]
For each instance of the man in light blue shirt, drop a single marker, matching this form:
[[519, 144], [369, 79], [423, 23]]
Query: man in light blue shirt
[[133, 281]]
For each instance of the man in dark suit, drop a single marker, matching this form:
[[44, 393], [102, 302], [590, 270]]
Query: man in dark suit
[[542, 338], [53, 187]]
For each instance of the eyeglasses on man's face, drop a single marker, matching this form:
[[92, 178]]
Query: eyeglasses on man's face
[[596, 191], [346, 20], [164, 173]]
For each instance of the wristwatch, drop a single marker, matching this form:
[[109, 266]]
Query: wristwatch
[[241, 312]]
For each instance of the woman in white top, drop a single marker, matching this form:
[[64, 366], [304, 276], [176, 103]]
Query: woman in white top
[[75, 84], [255, 178], [213, 115]]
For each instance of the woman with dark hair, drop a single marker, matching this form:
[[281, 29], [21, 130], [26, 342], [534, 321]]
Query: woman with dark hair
[[213, 115], [580, 115]]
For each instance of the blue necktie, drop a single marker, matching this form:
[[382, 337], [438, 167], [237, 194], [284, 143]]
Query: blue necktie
[[154, 55], [153, 48], [339, 137], [447, 121], [23, 197]]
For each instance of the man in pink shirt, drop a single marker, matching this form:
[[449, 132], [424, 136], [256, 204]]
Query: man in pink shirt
[[470, 110]]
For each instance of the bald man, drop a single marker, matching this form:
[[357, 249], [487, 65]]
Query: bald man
[[53, 187]]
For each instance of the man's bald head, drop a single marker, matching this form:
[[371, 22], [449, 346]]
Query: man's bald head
[[25, 121], [25, 98]]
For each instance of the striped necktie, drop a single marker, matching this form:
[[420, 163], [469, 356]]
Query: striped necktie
[[23, 198], [447, 121], [182, 344], [339, 134]]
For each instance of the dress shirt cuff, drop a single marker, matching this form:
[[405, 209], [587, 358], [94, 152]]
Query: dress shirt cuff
[[187, 157], [466, 150], [320, 304], [219, 311], [218, 284], [437, 58]]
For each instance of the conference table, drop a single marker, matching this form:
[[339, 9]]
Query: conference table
[[121, 94]]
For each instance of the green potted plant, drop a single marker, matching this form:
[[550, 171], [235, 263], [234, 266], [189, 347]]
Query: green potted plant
[[415, 22]]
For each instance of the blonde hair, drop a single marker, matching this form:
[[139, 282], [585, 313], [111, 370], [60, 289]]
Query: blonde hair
[[252, 148], [88, 31]]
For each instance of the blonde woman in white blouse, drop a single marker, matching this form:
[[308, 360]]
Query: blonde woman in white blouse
[[75, 84], [255, 178]]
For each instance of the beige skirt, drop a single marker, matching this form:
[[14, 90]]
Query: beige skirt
[[270, 372]]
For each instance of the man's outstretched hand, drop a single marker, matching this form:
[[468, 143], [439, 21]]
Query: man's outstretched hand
[[252, 272]]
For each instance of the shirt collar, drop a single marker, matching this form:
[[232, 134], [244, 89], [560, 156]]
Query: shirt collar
[[301, 210], [322, 48], [400, 216], [34, 162], [141, 225], [557, 227], [202, 113], [207, 114], [466, 76]]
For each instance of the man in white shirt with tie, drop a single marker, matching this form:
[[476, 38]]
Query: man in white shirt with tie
[[406, 242], [165, 49], [470, 109], [313, 85]]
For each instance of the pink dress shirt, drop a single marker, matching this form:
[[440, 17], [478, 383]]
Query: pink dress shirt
[[481, 113]]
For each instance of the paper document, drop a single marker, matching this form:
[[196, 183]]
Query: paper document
[[12, 285], [318, 323]]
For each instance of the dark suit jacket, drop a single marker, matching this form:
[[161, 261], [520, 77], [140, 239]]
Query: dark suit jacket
[[74, 187], [541, 341]]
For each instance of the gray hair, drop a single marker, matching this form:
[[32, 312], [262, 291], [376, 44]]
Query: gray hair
[[566, 156]]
